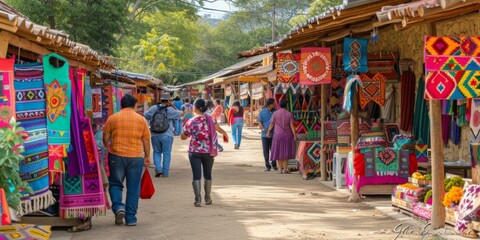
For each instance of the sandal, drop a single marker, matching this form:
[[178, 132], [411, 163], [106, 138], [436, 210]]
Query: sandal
[[81, 227]]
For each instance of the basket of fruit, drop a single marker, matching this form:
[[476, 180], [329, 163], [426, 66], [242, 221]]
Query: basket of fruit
[[420, 179]]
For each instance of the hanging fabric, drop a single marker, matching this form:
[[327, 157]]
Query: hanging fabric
[[407, 102], [388, 111], [421, 119]]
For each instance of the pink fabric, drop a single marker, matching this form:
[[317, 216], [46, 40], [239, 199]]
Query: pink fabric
[[217, 112], [201, 138], [281, 121]]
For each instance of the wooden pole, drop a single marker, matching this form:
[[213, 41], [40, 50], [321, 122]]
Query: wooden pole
[[252, 102], [323, 113], [354, 196], [438, 211]]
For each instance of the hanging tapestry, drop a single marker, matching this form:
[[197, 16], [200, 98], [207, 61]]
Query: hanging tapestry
[[421, 120], [337, 91], [107, 103], [228, 91], [31, 114], [20, 231], [385, 64], [6, 84], [407, 101], [373, 90], [316, 66], [288, 68], [421, 150], [315, 152], [354, 83], [88, 98], [453, 67], [391, 130], [355, 55], [369, 163], [257, 91], [475, 121], [244, 91], [386, 162], [97, 103], [404, 163], [58, 90]]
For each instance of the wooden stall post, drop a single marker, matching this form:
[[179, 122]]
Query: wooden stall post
[[438, 211], [252, 102], [323, 113], [354, 196]]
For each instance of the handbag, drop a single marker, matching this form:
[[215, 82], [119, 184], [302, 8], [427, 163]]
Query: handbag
[[146, 188]]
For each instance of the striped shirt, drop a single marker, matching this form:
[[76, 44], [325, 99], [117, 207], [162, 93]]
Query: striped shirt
[[126, 130]]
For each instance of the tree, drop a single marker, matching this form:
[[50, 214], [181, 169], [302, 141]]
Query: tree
[[316, 7]]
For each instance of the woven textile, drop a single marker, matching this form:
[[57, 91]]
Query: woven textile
[[384, 63], [288, 67], [386, 162], [31, 108], [58, 90], [475, 121], [88, 94], [370, 163], [373, 90], [6, 83], [316, 66], [25, 232], [315, 152], [354, 83], [391, 130], [244, 91], [421, 151], [470, 204], [421, 119], [339, 81], [355, 55], [453, 67], [107, 103], [407, 101]]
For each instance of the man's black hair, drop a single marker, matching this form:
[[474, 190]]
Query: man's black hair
[[128, 101]]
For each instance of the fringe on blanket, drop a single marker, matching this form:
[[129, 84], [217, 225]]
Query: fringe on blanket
[[36, 203], [69, 213]]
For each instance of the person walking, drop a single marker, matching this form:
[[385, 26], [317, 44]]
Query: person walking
[[284, 138], [264, 119], [202, 129], [178, 102], [187, 110], [162, 117], [127, 137], [235, 120], [217, 111]]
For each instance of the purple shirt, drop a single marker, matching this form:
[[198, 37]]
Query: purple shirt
[[281, 121]]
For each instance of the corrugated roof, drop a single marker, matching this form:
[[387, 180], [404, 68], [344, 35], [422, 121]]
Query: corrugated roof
[[235, 67]]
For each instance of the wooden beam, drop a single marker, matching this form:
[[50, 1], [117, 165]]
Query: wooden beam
[[3, 46], [448, 3], [323, 113]]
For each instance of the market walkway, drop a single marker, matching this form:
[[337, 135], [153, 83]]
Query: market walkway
[[248, 203]]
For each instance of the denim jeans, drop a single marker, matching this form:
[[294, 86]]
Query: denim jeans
[[131, 169], [199, 161], [162, 145], [267, 147], [237, 128]]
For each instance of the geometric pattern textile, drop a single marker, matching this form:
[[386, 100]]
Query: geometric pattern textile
[[336, 94], [386, 162], [475, 121], [355, 54], [421, 150], [316, 66], [373, 90], [25, 232], [288, 67], [315, 152], [57, 100], [6, 82], [452, 67]]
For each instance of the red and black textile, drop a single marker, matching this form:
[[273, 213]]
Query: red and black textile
[[359, 163], [407, 104]]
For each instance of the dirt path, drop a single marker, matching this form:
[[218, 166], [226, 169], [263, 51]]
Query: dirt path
[[248, 203]]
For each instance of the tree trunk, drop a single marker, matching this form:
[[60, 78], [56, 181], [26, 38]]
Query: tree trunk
[[354, 196], [438, 211], [51, 17]]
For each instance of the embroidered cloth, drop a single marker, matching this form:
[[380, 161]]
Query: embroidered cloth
[[288, 67], [355, 55], [475, 121], [316, 66], [373, 89], [6, 84]]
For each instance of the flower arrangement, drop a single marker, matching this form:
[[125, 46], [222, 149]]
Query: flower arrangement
[[453, 196], [12, 137]]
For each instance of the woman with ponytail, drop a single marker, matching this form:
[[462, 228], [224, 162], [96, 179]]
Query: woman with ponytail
[[202, 129]]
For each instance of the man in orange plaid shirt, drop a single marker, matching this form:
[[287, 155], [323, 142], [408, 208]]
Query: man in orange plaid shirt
[[127, 136]]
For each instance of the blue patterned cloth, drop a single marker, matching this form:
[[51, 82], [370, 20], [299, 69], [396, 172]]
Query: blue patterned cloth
[[355, 55]]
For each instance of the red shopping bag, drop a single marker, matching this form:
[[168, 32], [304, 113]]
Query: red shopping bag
[[146, 189]]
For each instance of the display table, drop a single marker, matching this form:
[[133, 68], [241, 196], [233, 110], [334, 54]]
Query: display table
[[426, 167]]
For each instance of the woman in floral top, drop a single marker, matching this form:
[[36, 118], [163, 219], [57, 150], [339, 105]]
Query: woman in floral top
[[202, 130]]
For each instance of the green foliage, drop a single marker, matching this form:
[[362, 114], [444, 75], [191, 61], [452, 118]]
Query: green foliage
[[453, 181], [11, 147], [316, 7]]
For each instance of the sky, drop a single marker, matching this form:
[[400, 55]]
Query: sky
[[219, 4]]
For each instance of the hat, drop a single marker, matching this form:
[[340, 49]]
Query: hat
[[166, 97]]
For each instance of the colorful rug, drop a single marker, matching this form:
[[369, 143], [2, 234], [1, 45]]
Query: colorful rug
[[421, 150], [373, 90], [315, 152], [475, 121], [288, 67], [337, 90], [6, 83], [88, 95], [385, 64], [58, 93], [25, 232], [391, 130], [97, 103], [316, 66], [386, 163], [453, 67], [355, 55], [107, 103], [370, 163]]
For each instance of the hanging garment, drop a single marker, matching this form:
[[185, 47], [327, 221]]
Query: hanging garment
[[407, 102], [421, 120], [31, 110], [388, 111], [6, 84], [475, 121]]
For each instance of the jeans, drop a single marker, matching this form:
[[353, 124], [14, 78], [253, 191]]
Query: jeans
[[199, 161], [121, 168], [162, 145], [267, 147], [237, 128], [220, 147]]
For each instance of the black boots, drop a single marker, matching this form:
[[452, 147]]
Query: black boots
[[197, 190], [208, 189]]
